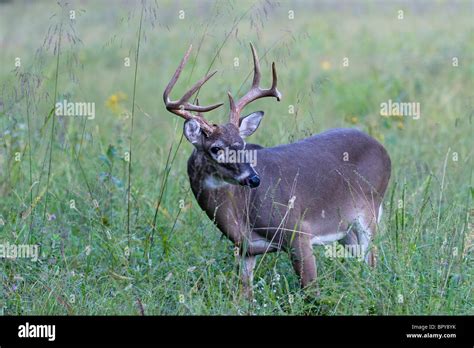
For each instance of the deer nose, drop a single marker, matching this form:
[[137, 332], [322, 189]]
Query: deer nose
[[254, 181]]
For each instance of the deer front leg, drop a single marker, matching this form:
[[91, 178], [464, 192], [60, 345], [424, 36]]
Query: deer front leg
[[247, 257], [247, 264], [303, 260]]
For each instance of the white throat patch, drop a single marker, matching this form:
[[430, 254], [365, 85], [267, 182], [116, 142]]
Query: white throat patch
[[211, 182]]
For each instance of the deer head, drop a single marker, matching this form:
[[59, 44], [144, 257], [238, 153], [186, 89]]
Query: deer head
[[214, 141]]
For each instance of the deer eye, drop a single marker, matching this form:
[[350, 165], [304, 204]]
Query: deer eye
[[215, 150]]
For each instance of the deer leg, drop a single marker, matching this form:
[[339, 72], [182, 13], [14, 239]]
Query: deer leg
[[247, 264], [303, 260], [358, 241]]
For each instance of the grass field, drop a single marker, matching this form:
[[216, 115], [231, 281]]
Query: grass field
[[64, 180]]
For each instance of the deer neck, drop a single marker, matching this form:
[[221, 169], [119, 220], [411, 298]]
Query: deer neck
[[214, 196], [202, 174]]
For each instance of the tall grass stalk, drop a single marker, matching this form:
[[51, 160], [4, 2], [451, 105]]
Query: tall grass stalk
[[131, 126], [30, 160], [53, 122]]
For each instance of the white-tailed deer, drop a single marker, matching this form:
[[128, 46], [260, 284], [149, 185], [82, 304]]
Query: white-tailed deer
[[325, 188]]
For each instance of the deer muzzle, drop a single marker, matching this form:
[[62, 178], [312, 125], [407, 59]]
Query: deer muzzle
[[253, 181]]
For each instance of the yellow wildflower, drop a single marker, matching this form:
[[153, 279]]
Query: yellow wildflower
[[114, 102], [326, 65]]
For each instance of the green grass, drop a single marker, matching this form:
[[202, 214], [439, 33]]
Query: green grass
[[90, 265]]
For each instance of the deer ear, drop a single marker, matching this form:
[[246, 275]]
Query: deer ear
[[249, 124], [192, 132]]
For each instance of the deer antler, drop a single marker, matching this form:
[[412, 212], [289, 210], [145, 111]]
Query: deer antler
[[183, 107], [255, 91]]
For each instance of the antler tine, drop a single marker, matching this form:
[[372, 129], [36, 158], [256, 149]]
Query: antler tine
[[255, 91], [198, 113], [182, 107], [231, 104], [175, 77], [274, 90], [256, 68], [184, 100]]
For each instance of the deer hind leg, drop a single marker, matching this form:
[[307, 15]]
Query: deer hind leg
[[303, 260], [358, 239]]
